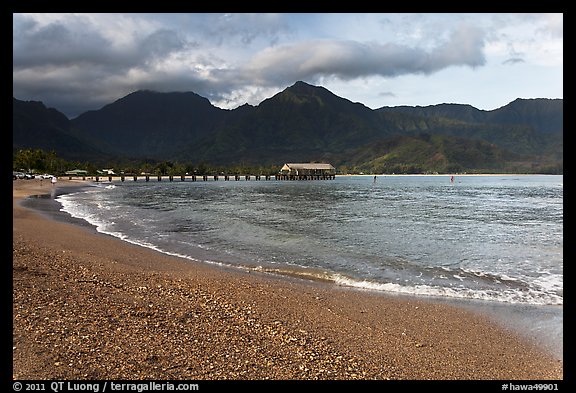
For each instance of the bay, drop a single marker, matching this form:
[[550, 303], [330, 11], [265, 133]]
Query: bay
[[493, 239]]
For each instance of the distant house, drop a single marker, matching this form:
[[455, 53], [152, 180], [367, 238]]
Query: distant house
[[308, 169], [106, 172], [76, 172]]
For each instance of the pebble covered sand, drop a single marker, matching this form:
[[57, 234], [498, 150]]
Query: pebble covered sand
[[89, 306]]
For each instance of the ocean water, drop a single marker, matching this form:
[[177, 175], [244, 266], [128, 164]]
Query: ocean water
[[480, 237], [494, 239]]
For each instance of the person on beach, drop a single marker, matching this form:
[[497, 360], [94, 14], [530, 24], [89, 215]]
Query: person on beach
[[53, 180]]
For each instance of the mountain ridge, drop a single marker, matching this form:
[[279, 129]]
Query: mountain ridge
[[302, 123]]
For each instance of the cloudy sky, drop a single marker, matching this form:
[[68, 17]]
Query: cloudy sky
[[79, 62]]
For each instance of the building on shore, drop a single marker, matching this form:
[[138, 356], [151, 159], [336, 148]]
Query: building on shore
[[76, 172], [304, 170]]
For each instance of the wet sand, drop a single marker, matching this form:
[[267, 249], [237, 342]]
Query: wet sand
[[89, 306]]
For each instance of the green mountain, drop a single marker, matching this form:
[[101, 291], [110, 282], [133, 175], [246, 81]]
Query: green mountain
[[309, 123], [435, 153], [543, 115], [526, 126], [147, 124], [301, 123], [37, 127]]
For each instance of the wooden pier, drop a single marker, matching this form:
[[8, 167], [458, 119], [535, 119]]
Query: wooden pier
[[193, 178], [290, 171]]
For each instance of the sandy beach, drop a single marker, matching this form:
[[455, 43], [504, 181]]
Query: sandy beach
[[90, 306]]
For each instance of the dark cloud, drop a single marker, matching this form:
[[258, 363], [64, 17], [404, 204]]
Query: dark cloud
[[72, 61], [56, 44], [350, 59], [60, 44]]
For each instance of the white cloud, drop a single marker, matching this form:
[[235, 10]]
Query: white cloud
[[350, 59], [236, 58]]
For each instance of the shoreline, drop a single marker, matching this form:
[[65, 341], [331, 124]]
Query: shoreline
[[132, 313]]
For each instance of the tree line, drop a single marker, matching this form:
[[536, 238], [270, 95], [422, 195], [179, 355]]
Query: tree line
[[40, 161]]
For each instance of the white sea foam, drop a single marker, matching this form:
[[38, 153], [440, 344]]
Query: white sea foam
[[77, 209], [506, 296]]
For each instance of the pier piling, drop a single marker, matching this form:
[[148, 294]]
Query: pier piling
[[279, 176]]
